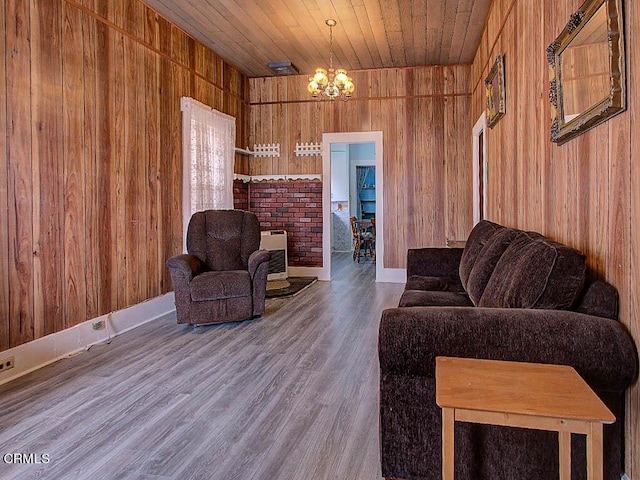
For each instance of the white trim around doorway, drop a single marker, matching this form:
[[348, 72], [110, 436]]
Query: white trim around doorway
[[382, 274], [480, 129]]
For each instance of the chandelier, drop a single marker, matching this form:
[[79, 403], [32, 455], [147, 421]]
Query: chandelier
[[333, 84]]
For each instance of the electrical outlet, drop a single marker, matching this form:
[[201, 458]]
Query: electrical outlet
[[99, 325], [7, 364]]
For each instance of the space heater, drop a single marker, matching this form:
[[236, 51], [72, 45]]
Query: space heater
[[276, 242]]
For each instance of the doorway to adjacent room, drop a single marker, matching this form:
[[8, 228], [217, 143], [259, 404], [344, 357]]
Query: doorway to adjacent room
[[352, 186]]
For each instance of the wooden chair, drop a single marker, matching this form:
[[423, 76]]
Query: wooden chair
[[363, 239], [372, 239]]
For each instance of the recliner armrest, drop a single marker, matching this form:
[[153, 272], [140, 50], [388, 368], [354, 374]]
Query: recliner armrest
[[188, 265], [256, 259], [601, 350], [434, 262]]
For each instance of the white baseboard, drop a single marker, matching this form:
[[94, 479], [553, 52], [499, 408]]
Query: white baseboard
[[307, 272], [391, 275], [388, 275], [43, 351]]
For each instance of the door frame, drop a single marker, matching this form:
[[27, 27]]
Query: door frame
[[480, 129], [351, 137]]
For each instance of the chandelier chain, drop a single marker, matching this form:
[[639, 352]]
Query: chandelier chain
[[331, 47]]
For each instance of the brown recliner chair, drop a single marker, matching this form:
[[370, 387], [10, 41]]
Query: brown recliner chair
[[223, 278]]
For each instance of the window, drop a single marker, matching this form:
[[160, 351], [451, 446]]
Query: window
[[208, 153]]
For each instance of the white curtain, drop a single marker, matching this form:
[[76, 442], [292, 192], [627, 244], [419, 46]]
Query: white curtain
[[208, 140]]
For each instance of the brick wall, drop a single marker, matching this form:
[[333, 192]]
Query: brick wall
[[240, 195], [295, 207]]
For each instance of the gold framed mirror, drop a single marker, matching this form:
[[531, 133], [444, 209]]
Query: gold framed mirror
[[587, 84], [496, 96]]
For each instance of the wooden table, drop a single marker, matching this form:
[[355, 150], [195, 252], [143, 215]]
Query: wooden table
[[517, 394]]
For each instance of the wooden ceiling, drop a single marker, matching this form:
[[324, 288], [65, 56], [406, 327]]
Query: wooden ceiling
[[369, 33]]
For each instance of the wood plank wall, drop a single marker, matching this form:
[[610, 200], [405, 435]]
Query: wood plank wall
[[90, 156], [584, 193], [424, 114]]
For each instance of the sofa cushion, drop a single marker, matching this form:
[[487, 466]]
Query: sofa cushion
[[535, 272], [599, 299], [423, 298], [486, 262], [479, 236], [441, 284], [220, 285]]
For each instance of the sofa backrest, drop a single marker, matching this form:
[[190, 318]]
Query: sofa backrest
[[487, 260], [507, 267], [478, 238], [535, 272]]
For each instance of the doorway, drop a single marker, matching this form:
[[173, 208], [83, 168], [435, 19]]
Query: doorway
[[357, 141], [352, 190]]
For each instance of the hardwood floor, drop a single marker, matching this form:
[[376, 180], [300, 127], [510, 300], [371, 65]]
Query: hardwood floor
[[292, 395]]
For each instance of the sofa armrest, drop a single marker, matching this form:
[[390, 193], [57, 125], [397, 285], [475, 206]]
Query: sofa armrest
[[601, 350], [434, 262], [256, 259], [259, 270], [185, 264]]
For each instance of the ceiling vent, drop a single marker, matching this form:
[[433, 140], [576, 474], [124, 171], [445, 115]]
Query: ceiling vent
[[283, 68]]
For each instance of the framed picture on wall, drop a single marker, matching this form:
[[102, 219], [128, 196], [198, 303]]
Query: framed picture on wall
[[496, 96]]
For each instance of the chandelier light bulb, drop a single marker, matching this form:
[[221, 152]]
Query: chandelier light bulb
[[320, 77], [341, 77], [314, 88], [348, 87]]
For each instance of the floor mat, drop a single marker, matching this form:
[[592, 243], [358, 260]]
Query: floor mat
[[295, 286]]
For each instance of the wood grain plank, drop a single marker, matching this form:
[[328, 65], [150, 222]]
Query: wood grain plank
[[118, 142], [155, 261], [166, 167], [439, 174], [89, 156], [20, 182], [105, 255], [134, 130], [75, 307], [46, 105], [133, 21], [632, 420], [175, 160], [151, 31], [142, 151], [4, 192], [618, 249]]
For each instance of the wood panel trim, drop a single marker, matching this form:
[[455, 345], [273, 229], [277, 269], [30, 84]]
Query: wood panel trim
[[361, 99]]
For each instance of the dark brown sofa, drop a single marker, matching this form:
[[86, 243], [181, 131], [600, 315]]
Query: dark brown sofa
[[508, 295]]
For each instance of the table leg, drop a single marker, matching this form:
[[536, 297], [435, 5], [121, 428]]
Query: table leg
[[594, 452], [448, 417], [564, 439]]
